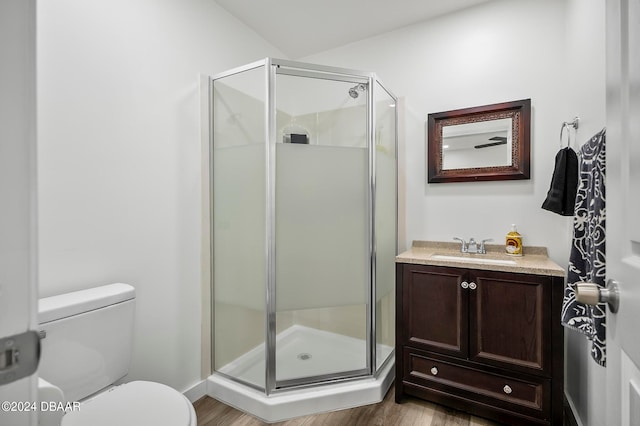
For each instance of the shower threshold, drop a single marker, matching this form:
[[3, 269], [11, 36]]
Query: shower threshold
[[302, 352]]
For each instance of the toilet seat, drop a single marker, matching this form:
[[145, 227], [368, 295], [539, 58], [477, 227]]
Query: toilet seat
[[134, 404]]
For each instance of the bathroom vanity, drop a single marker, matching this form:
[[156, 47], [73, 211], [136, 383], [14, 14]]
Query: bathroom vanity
[[481, 333]]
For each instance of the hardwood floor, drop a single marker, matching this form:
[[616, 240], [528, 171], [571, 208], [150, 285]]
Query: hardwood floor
[[411, 412]]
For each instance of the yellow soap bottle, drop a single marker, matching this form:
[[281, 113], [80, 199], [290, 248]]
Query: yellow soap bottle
[[513, 244]]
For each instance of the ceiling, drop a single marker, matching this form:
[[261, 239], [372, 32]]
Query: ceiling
[[303, 27]]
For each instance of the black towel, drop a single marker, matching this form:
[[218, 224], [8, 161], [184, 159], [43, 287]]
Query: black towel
[[561, 197]]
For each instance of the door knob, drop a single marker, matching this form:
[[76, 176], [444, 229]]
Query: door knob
[[591, 294]]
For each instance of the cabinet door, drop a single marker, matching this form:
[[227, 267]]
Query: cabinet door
[[435, 309], [510, 321]]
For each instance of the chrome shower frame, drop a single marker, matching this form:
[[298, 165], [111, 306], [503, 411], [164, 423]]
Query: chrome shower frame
[[367, 83]]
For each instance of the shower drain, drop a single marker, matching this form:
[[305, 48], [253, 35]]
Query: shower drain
[[304, 356]]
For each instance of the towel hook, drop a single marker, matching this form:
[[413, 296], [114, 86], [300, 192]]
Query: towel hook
[[575, 124]]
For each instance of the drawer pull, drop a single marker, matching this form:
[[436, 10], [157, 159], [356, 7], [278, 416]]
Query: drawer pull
[[434, 371], [464, 284], [472, 285], [507, 389]]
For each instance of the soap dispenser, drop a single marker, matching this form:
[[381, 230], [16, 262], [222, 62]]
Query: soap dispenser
[[513, 244]]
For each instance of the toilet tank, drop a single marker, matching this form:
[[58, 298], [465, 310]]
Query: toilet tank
[[88, 337]]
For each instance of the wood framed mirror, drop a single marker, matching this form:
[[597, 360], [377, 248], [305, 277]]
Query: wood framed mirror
[[489, 142]]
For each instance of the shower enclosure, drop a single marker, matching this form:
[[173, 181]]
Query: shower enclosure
[[304, 213]]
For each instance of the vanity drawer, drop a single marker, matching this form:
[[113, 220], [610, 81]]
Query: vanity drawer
[[529, 396]]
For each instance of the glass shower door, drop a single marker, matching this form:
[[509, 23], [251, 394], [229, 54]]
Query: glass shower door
[[322, 227]]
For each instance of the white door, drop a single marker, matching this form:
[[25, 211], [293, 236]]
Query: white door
[[623, 210], [17, 207]]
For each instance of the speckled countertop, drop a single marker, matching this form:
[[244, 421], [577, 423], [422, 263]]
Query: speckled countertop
[[436, 253]]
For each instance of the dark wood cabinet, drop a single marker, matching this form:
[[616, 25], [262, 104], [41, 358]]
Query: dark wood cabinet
[[434, 310], [486, 342]]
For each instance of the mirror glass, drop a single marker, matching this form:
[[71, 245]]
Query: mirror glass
[[489, 142], [473, 145]]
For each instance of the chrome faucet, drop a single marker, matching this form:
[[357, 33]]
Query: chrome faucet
[[472, 246], [463, 247], [482, 249]]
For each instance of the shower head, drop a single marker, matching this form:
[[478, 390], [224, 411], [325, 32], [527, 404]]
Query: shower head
[[354, 91]]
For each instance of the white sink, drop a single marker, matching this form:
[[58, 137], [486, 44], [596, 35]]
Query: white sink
[[473, 259]]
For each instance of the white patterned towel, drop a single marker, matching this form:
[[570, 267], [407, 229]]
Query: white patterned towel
[[587, 260]]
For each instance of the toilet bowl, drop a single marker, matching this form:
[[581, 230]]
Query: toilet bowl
[[85, 349], [131, 404], [134, 404]]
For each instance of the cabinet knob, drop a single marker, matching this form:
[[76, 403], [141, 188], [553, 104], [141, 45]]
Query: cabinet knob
[[507, 389], [434, 371], [464, 284], [472, 285]]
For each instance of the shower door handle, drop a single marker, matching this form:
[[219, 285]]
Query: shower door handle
[[592, 294]]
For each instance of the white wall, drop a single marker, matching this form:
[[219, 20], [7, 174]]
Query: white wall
[[120, 161], [550, 51]]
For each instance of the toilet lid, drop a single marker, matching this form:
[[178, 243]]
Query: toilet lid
[[134, 404]]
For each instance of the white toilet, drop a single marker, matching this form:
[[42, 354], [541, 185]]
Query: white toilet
[[86, 348]]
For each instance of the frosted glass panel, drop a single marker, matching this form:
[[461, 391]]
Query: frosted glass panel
[[321, 226], [385, 222], [239, 217]]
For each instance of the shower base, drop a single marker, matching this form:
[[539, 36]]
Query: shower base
[[302, 352]]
